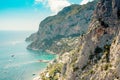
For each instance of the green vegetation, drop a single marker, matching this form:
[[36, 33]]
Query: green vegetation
[[105, 66], [107, 52], [53, 71], [74, 57], [91, 71]]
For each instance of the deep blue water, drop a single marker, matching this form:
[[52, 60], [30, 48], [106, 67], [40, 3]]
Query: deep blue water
[[16, 62]]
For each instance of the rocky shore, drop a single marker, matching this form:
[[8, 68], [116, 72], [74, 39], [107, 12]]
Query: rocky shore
[[97, 55]]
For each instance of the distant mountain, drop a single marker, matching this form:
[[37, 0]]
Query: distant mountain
[[98, 55], [72, 21]]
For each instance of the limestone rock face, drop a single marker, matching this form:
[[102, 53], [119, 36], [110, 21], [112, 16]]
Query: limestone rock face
[[98, 55], [72, 21]]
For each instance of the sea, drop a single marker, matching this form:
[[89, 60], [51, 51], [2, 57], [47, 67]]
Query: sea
[[16, 62]]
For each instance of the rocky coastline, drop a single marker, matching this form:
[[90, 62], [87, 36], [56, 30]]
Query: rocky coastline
[[97, 55]]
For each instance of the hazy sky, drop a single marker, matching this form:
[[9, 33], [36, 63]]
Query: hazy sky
[[27, 14]]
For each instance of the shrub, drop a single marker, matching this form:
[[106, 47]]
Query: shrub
[[98, 50], [91, 71], [54, 70], [106, 52], [75, 69]]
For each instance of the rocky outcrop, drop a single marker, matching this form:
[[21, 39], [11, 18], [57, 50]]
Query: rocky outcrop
[[97, 56], [72, 21]]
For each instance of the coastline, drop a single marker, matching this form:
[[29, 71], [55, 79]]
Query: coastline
[[39, 77], [51, 52], [48, 51]]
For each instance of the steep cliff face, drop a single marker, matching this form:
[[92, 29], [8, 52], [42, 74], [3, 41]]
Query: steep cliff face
[[72, 21], [97, 57]]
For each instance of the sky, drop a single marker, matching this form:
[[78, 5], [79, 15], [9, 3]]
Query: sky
[[27, 14]]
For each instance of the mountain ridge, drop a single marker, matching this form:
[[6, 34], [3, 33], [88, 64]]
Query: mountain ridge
[[72, 21]]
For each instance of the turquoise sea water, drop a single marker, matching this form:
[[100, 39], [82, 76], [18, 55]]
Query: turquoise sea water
[[16, 62]]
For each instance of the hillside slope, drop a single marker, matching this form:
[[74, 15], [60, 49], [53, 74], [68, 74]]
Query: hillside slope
[[98, 54], [72, 21]]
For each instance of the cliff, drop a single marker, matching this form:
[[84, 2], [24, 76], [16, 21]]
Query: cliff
[[72, 21], [97, 56]]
